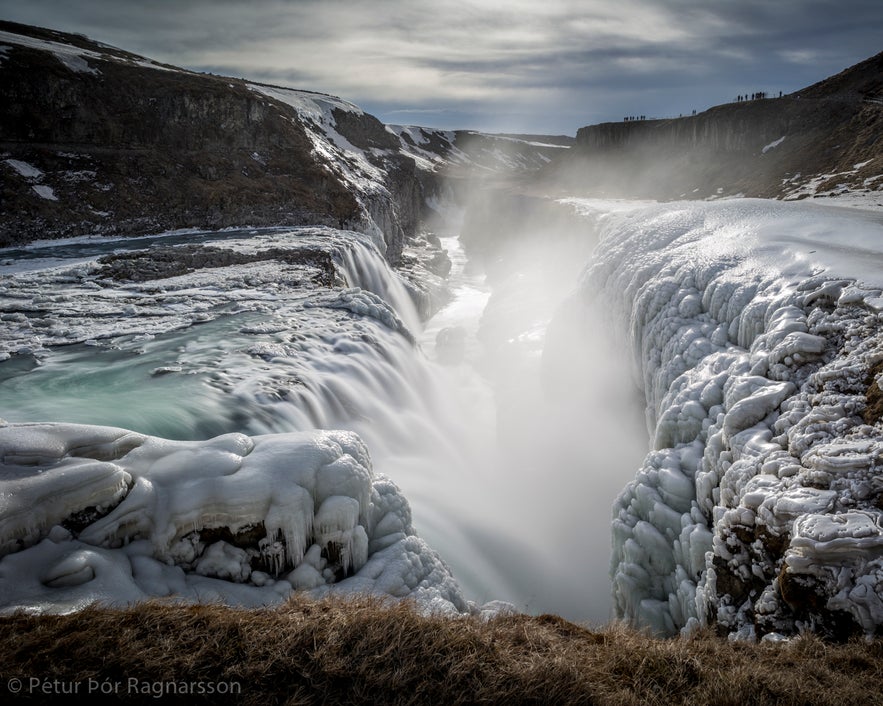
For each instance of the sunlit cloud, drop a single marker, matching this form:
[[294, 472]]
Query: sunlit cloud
[[800, 56]]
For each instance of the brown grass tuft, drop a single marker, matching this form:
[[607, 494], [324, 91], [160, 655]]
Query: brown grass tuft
[[365, 650]]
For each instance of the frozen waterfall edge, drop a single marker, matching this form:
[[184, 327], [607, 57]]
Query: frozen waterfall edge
[[755, 332], [115, 517]]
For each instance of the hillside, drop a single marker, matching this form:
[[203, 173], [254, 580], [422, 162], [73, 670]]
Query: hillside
[[94, 139], [822, 140], [97, 140]]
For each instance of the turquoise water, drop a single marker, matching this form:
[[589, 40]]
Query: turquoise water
[[123, 386]]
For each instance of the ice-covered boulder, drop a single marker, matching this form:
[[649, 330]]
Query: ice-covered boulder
[[102, 514]]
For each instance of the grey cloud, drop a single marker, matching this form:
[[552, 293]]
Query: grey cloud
[[493, 63]]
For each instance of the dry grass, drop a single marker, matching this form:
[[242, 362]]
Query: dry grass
[[362, 651]]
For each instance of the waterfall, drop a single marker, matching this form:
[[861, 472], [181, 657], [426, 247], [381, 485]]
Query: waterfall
[[472, 414]]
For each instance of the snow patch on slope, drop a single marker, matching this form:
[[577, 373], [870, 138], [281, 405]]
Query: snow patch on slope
[[45, 192], [350, 163], [28, 171], [838, 187], [772, 145], [74, 58]]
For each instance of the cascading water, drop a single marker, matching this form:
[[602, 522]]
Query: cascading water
[[498, 472]]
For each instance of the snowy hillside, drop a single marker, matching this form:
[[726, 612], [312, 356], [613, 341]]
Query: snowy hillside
[[477, 154]]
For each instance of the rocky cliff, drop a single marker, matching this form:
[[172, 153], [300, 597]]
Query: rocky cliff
[[96, 140], [822, 139]]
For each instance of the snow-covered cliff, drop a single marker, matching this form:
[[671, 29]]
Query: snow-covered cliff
[[755, 331], [98, 140]]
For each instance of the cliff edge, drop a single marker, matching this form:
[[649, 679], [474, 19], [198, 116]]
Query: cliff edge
[[822, 140]]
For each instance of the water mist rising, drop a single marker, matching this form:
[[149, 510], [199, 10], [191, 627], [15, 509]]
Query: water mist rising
[[568, 430]]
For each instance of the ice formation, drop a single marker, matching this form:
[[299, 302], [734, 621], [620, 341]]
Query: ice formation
[[102, 514], [755, 331]]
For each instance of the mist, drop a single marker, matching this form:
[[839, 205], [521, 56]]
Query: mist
[[547, 396]]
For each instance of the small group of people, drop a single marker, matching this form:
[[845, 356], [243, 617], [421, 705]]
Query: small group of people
[[760, 95], [633, 118]]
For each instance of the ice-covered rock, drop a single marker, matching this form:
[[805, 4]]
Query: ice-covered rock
[[101, 514], [754, 330]]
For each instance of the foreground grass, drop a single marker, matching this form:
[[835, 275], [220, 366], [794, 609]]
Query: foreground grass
[[362, 651]]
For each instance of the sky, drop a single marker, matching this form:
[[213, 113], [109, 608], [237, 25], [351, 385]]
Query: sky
[[527, 66]]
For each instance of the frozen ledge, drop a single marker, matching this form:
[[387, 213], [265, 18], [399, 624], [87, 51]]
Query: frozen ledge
[[97, 514], [756, 337]]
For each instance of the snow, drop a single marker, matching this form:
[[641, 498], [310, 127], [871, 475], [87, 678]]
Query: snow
[[153, 510], [72, 57], [436, 149], [45, 192], [751, 326], [26, 170], [31, 173], [772, 145], [83, 310], [75, 58], [426, 157], [842, 194]]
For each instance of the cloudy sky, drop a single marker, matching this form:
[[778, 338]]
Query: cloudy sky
[[546, 66]]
